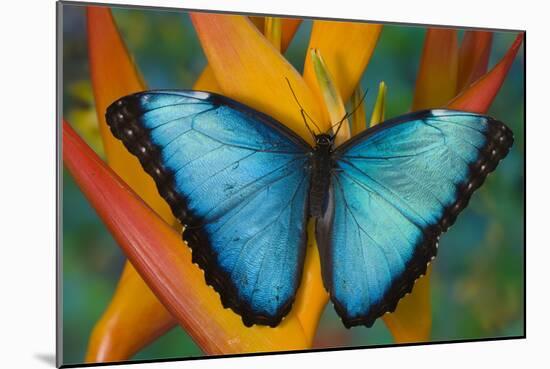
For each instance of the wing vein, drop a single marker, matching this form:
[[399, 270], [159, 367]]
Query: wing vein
[[359, 227], [256, 180], [176, 119], [189, 162], [268, 225], [219, 171], [255, 235], [174, 104], [386, 188], [390, 217]]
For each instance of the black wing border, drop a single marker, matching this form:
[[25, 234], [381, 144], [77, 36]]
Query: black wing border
[[499, 141], [121, 116]]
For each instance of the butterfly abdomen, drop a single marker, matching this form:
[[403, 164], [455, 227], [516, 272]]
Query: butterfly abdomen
[[320, 176]]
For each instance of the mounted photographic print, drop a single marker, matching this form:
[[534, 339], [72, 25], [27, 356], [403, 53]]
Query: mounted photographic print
[[235, 184]]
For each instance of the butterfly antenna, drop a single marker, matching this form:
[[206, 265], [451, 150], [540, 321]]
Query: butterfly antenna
[[307, 125], [347, 115], [303, 112]]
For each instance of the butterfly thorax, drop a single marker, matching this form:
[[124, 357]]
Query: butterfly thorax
[[320, 174]]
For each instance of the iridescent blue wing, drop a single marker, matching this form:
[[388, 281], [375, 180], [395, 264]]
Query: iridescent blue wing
[[238, 180], [394, 190]]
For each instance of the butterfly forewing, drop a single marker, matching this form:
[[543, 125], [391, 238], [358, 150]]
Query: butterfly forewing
[[394, 190], [238, 181]]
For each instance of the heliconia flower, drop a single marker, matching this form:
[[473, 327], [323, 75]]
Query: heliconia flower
[[245, 63]]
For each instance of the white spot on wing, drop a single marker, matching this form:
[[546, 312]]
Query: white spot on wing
[[199, 94], [439, 112]]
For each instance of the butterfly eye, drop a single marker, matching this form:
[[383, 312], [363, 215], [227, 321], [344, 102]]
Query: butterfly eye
[[322, 140]]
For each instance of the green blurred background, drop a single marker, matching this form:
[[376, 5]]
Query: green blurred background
[[478, 276]]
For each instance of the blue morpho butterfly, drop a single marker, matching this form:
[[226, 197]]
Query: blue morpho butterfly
[[244, 186]]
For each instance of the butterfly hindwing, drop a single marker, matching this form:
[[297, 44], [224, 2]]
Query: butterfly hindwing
[[394, 190], [238, 181]]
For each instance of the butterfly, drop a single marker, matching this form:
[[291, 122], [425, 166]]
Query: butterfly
[[244, 187]]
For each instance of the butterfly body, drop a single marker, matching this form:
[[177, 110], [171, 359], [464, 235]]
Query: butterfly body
[[244, 186], [321, 165]]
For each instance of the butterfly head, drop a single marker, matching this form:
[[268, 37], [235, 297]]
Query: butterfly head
[[324, 140]]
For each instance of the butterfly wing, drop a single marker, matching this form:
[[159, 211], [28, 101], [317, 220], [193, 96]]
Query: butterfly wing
[[394, 190], [238, 180]]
